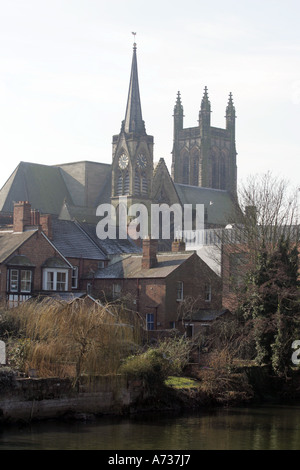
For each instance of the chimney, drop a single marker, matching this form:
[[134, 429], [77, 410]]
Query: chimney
[[149, 259], [46, 223], [35, 217], [22, 215], [178, 245]]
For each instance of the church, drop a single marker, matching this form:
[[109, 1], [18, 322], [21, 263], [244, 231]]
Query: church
[[203, 170], [49, 244]]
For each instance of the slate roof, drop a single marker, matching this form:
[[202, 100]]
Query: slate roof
[[83, 185], [41, 185], [73, 242], [218, 203], [131, 267], [109, 246], [10, 242]]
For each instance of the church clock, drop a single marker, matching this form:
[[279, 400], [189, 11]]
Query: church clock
[[141, 161], [123, 161]]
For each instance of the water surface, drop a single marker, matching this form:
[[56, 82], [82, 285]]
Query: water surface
[[259, 428]]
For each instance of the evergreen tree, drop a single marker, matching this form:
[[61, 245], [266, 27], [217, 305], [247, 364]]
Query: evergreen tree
[[271, 303]]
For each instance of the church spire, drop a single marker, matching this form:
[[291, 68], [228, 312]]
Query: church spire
[[133, 118]]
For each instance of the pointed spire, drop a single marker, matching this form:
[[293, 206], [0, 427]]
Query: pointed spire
[[230, 110], [133, 118], [205, 104], [178, 108]]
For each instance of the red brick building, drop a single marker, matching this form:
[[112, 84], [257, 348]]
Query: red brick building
[[156, 284], [29, 262]]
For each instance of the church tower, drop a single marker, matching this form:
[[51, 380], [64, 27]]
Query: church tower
[[132, 153], [205, 156]]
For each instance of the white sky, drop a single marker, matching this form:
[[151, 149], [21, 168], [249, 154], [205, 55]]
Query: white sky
[[65, 68]]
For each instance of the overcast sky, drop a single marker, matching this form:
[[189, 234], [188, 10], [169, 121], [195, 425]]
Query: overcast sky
[[65, 68]]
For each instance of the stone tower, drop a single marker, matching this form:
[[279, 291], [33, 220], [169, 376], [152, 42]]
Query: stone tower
[[205, 156], [132, 154]]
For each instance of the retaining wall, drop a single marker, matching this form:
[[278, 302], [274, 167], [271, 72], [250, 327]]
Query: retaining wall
[[27, 399]]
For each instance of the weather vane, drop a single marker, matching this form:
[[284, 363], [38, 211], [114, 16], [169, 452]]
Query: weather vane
[[134, 34]]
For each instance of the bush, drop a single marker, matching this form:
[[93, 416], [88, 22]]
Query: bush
[[151, 367]]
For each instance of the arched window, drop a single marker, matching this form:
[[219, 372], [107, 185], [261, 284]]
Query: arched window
[[144, 184], [140, 183], [185, 169], [123, 183], [195, 167]]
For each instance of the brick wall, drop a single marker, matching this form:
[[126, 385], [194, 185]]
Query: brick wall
[[159, 295]]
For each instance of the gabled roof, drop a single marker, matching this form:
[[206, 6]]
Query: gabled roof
[[42, 185], [10, 242], [131, 267], [73, 242], [86, 182], [80, 185]]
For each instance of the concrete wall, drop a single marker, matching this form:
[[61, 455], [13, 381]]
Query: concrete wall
[[27, 399]]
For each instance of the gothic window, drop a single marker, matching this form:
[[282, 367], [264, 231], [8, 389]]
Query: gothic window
[[215, 167], [144, 184], [123, 183], [195, 168], [120, 185], [223, 169], [222, 175], [137, 183], [126, 183], [185, 170], [140, 183]]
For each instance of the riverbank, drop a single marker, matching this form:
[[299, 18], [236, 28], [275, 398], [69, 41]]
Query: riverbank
[[36, 399]]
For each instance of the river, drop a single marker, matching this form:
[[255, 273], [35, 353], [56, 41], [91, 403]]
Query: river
[[253, 428]]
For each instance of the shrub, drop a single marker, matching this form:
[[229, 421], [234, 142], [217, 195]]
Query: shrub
[[151, 367]]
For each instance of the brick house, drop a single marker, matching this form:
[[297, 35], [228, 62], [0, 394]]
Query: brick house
[[156, 284], [29, 262], [36, 247]]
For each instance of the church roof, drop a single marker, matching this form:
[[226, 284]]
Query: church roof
[[82, 186], [219, 205], [42, 185]]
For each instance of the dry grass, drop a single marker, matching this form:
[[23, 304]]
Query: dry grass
[[74, 339]]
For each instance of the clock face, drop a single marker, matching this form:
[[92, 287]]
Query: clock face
[[142, 161], [123, 161]]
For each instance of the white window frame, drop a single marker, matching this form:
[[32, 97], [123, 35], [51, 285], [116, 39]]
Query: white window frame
[[27, 281], [14, 281], [15, 284], [55, 281]]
